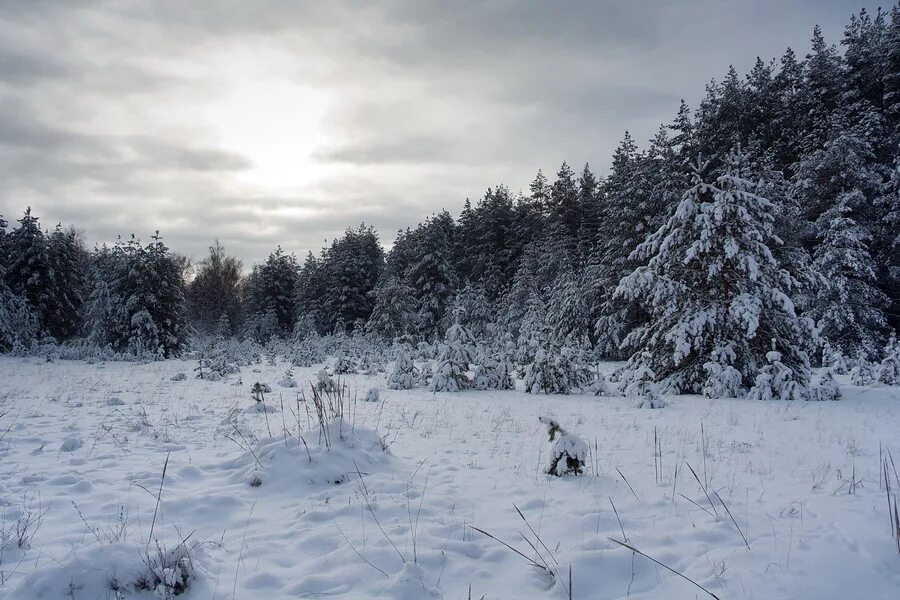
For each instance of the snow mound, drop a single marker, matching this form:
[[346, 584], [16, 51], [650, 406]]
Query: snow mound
[[117, 570], [287, 463], [71, 444], [412, 583], [651, 401], [259, 408]]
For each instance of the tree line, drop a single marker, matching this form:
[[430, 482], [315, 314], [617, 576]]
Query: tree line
[[767, 215]]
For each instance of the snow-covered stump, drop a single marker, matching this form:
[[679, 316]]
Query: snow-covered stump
[[568, 454]]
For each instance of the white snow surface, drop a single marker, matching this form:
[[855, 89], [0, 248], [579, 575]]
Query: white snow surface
[[399, 523]]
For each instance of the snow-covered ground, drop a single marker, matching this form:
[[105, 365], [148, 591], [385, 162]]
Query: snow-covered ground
[[84, 448]]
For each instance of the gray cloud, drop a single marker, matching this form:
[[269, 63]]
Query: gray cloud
[[111, 111]]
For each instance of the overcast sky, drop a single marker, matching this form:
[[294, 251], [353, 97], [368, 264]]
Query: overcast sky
[[270, 122]]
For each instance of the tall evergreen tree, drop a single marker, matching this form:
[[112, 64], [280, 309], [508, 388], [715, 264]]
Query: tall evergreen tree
[[714, 292], [28, 269]]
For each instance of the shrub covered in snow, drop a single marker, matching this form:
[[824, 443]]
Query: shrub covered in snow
[[325, 382], [120, 570], [825, 389], [334, 453], [344, 365], [568, 453]]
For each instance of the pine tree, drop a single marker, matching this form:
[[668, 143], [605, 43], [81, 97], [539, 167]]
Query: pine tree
[[889, 370], [776, 381], [351, 267], [563, 206], [837, 184], [405, 375], [712, 288], [432, 274], [68, 264], [28, 269], [394, 314], [450, 372]]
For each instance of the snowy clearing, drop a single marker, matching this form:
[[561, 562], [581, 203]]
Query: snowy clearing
[[247, 511]]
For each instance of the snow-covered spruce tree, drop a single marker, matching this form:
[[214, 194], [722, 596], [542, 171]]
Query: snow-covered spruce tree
[[776, 381], [569, 452], [889, 370], [404, 376], [28, 270], [394, 314], [18, 327], [137, 303], [834, 359], [491, 373], [825, 389], [68, 264], [556, 368], [450, 372], [713, 290], [862, 372], [638, 382], [837, 184]]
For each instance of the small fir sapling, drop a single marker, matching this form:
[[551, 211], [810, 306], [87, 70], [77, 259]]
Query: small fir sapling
[[288, 380], [569, 452], [405, 376], [453, 360], [776, 381], [490, 373], [599, 386], [834, 359], [638, 383], [889, 370], [426, 373], [826, 388], [862, 372], [556, 368], [723, 380]]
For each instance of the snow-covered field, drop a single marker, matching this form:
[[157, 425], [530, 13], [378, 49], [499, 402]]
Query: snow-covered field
[[258, 515]]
